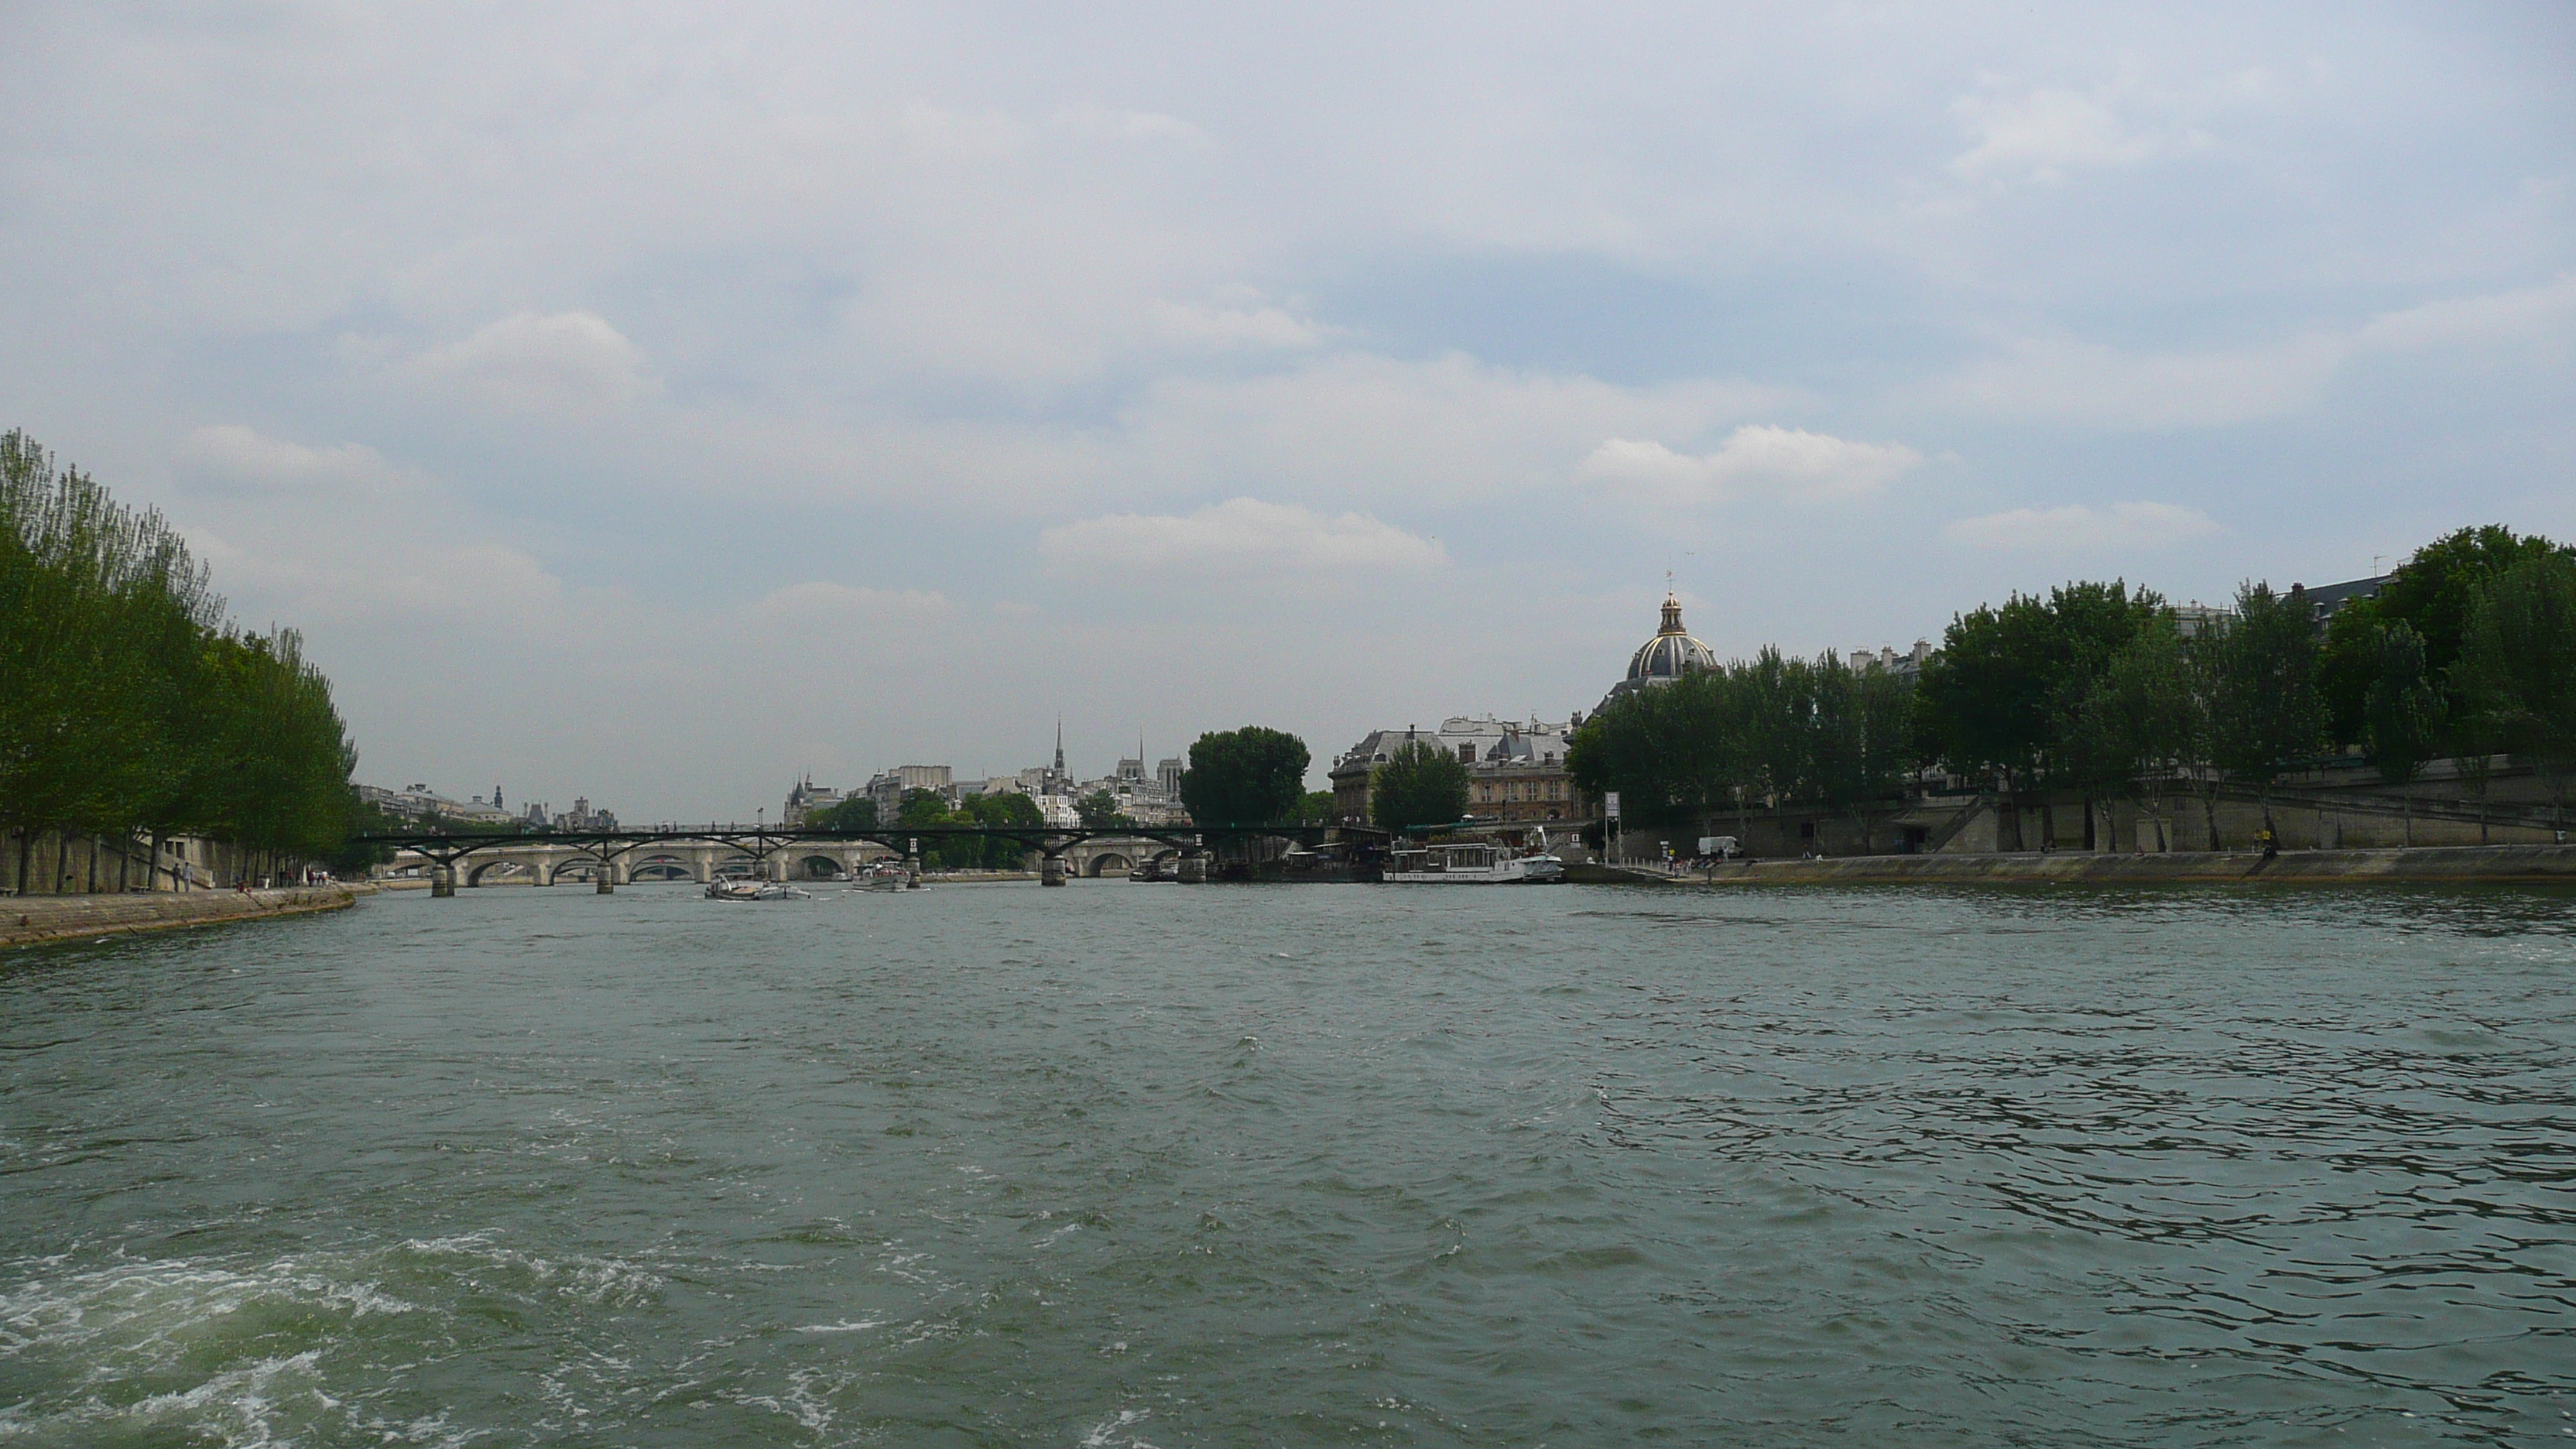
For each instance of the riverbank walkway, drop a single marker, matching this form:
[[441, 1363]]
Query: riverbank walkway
[[35, 920]]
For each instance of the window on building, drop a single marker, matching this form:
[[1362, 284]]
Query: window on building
[[1467, 753]]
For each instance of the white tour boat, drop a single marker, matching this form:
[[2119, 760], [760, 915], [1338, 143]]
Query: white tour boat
[[755, 890], [1470, 863]]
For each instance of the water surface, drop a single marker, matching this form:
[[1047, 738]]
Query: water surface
[[1155, 1165]]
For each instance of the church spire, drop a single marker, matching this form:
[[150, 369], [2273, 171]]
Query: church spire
[[1059, 744]]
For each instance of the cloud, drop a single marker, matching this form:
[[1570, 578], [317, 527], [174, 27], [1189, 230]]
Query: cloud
[[2529, 314], [2041, 135], [821, 602], [2076, 527], [1226, 327], [1109, 124], [230, 458], [338, 531], [2064, 380], [1445, 430], [1239, 537], [1758, 458], [2061, 380], [565, 364]]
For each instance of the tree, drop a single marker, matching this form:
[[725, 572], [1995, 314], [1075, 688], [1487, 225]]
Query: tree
[[128, 704], [2141, 719], [1317, 809], [1099, 811], [1008, 810], [2517, 666], [2003, 699], [2432, 594], [1250, 776], [1664, 749], [859, 812], [1420, 785], [2402, 724], [2264, 710]]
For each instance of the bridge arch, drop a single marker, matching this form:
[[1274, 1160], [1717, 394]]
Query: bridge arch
[[662, 865], [1107, 862], [504, 867]]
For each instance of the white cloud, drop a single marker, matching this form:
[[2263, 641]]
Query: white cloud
[[1110, 124], [1444, 430], [829, 603], [1223, 327], [1758, 458], [2075, 527], [2043, 134], [2063, 380], [2544, 312], [1239, 537], [231, 458], [567, 364]]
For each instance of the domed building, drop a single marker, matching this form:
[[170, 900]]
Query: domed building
[[1666, 657]]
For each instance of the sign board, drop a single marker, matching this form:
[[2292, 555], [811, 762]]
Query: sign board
[[1725, 845], [1610, 805]]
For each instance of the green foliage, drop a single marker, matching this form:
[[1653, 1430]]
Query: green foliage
[[1420, 785], [1773, 728], [1099, 811], [1003, 810], [2265, 714], [2143, 715], [1317, 808], [1250, 776], [1009, 810], [859, 812], [2006, 694], [2403, 718], [2431, 593], [127, 703], [2517, 666]]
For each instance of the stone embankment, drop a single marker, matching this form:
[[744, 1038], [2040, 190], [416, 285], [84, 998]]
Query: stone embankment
[[2462, 864], [29, 920]]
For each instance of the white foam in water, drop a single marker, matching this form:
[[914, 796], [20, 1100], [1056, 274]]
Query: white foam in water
[[852, 1326], [1103, 1435], [609, 1281], [237, 1405], [162, 1301]]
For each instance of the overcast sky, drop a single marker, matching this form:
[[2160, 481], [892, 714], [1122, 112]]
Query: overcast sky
[[655, 402]]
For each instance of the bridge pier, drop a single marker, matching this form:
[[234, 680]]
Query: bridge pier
[[912, 871], [1051, 870], [608, 877], [1193, 869], [442, 881]]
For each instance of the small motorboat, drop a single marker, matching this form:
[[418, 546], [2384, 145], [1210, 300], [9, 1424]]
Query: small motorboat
[[884, 876], [755, 890]]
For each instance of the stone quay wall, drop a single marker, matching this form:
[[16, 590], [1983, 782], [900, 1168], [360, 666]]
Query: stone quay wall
[[31, 920], [2451, 865]]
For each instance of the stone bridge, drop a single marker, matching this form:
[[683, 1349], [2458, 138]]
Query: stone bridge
[[611, 859]]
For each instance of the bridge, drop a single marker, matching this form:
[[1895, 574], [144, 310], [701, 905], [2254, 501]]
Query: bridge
[[611, 858]]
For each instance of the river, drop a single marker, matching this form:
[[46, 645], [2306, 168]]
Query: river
[[1128, 1165]]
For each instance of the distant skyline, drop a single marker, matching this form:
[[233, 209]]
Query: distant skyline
[[657, 403]]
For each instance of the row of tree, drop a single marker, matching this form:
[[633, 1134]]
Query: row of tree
[[129, 704], [2468, 649]]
